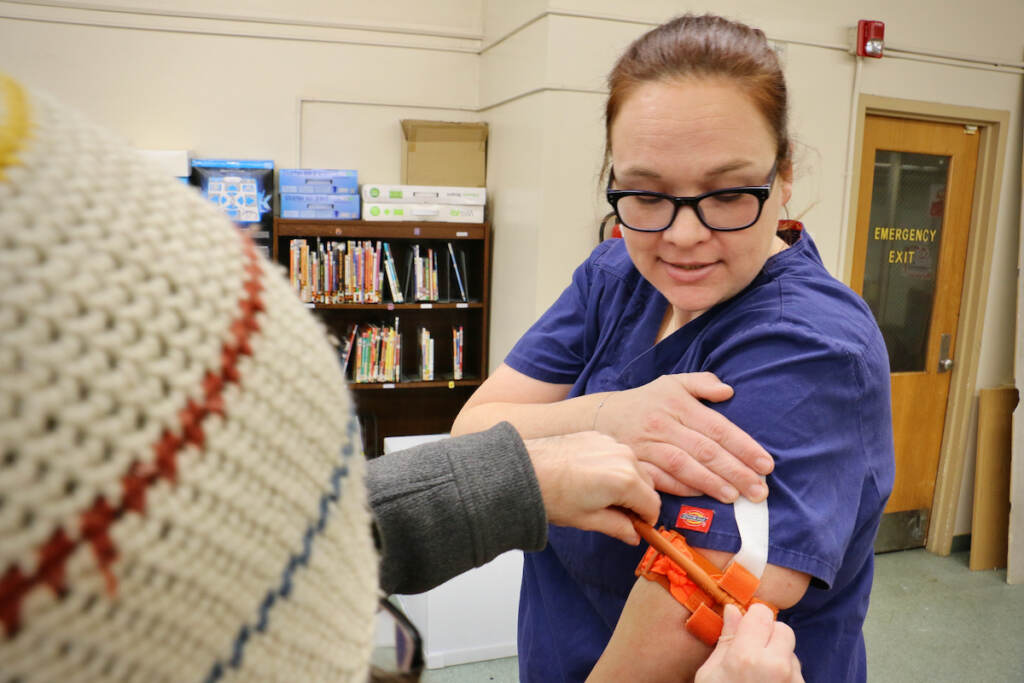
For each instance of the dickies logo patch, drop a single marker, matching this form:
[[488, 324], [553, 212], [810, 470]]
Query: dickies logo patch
[[694, 519]]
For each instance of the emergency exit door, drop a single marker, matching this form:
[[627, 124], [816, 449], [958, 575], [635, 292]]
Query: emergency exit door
[[913, 220]]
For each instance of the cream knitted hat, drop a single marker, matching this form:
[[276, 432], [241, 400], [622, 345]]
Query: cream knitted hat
[[181, 491]]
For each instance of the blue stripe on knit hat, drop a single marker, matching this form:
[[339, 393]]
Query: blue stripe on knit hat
[[283, 590]]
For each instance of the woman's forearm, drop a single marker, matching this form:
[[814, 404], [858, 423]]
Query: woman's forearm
[[532, 420]]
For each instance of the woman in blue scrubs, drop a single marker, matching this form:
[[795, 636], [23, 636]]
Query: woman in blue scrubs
[[704, 281]]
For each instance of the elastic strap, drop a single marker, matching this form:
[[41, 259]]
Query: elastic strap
[[705, 621]]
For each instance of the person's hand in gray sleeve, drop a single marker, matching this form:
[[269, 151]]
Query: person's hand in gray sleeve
[[587, 479], [447, 506]]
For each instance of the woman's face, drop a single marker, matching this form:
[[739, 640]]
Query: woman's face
[[685, 138]]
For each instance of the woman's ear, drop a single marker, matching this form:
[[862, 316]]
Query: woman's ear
[[785, 176], [787, 191]]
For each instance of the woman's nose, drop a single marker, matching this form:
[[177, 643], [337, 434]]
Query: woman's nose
[[686, 229]]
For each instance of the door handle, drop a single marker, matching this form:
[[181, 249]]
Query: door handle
[[945, 362]]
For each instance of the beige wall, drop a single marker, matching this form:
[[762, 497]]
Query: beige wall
[[224, 87], [323, 83]]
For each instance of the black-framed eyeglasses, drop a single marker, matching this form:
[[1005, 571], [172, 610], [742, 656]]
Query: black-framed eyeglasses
[[731, 208], [408, 648]]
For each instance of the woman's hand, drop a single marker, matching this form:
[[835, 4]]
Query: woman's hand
[[586, 478], [753, 648], [688, 448]]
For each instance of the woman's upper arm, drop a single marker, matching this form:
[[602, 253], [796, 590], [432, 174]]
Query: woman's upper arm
[[780, 586]]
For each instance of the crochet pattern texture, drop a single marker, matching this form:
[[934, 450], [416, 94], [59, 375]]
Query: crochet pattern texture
[[181, 490]]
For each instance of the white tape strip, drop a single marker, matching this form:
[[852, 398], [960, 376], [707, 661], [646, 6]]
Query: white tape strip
[[752, 522]]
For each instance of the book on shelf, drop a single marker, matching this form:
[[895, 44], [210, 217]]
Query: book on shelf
[[433, 274], [457, 341], [424, 272], [426, 354], [338, 272], [417, 269], [354, 271], [462, 262], [389, 267], [374, 275], [408, 287], [378, 354], [458, 276], [297, 264], [346, 346]]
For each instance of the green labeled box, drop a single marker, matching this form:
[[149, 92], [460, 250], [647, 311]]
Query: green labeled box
[[448, 213]]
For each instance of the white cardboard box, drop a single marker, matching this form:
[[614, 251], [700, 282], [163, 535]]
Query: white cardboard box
[[432, 213], [425, 194]]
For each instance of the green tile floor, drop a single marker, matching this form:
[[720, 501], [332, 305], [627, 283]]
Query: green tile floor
[[931, 620]]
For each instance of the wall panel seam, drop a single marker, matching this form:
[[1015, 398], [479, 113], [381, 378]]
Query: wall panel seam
[[411, 29], [234, 34]]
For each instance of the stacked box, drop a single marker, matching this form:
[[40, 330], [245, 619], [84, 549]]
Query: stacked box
[[317, 181], [425, 194], [424, 213], [425, 203], [243, 189], [339, 207], [319, 193]]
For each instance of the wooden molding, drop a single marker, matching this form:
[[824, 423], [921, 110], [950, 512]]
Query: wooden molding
[[993, 128]]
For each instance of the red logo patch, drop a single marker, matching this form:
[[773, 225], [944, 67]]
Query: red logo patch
[[694, 519]]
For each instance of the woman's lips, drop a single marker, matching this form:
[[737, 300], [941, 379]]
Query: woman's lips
[[688, 271]]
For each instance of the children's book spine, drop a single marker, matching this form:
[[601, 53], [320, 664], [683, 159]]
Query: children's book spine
[[418, 266], [433, 275], [389, 266], [304, 272], [458, 275]]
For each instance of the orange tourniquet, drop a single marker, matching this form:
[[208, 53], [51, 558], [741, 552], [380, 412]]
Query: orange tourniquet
[[735, 585]]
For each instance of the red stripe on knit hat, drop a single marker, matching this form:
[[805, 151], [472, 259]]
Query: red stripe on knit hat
[[95, 521]]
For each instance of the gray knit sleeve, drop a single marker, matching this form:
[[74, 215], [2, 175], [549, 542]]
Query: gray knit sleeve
[[448, 506]]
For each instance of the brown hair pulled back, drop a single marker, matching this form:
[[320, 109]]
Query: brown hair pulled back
[[706, 46]]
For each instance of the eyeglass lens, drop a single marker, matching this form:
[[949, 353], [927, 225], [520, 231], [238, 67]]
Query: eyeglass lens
[[405, 649], [728, 210], [408, 644]]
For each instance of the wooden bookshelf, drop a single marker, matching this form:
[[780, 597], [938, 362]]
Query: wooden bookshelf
[[410, 406]]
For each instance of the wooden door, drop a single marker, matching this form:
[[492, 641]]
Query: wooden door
[[913, 218]]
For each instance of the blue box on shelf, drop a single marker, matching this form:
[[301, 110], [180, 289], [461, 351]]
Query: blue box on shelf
[[334, 206], [240, 187], [317, 181]]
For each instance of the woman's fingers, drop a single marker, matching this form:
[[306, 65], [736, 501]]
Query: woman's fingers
[[711, 471], [692, 448], [752, 648], [755, 629], [714, 426], [679, 473]]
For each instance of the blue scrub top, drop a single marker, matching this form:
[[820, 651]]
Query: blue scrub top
[[811, 377]]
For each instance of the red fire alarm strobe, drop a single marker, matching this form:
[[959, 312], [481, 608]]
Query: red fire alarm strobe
[[870, 38]]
